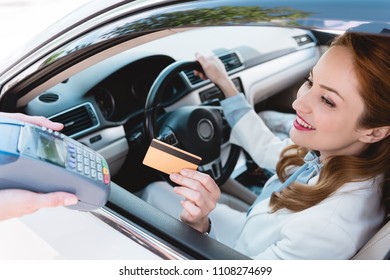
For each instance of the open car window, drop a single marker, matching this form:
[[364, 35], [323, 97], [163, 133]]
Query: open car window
[[97, 81]]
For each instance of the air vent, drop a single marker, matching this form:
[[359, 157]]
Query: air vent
[[48, 97], [230, 60], [210, 94], [77, 120], [192, 78], [303, 39]]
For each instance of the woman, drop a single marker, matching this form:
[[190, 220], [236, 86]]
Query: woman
[[336, 172]]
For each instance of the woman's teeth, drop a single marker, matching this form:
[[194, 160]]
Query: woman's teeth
[[304, 124]]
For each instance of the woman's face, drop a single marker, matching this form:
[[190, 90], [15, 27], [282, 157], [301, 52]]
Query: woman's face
[[328, 107]]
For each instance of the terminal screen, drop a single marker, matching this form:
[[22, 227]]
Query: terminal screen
[[51, 149]]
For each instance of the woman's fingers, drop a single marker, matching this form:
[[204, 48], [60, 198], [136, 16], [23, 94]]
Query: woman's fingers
[[200, 75], [197, 198], [197, 181], [193, 216], [199, 190], [212, 66], [191, 210], [215, 70], [201, 194]]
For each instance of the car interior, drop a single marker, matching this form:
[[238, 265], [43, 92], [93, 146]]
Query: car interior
[[118, 99], [103, 105]]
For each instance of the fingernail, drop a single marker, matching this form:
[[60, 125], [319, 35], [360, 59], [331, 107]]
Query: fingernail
[[184, 172], [173, 176], [70, 201]]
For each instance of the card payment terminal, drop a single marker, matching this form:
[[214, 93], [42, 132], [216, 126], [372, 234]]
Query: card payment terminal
[[41, 160]]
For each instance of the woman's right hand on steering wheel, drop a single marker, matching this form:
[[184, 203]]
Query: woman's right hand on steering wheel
[[201, 194], [215, 70]]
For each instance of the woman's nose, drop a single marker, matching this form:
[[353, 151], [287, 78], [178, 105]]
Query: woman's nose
[[302, 103]]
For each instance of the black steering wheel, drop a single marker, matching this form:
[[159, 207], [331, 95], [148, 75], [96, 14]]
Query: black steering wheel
[[196, 129]]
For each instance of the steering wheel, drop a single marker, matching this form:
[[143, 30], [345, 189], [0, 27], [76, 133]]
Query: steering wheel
[[196, 129]]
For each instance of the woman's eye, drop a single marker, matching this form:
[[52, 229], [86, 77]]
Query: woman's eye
[[327, 102], [308, 81]]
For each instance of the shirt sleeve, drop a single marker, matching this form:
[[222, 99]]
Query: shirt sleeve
[[251, 133], [212, 233], [234, 108]]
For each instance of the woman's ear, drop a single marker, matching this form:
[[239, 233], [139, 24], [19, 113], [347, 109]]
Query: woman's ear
[[373, 135]]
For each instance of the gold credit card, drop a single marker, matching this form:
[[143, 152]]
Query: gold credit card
[[169, 159]]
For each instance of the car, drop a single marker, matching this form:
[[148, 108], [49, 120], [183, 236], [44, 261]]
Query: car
[[119, 73]]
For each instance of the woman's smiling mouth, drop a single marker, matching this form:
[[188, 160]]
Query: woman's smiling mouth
[[301, 124]]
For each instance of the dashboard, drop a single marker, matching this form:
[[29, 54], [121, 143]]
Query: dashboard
[[127, 89]]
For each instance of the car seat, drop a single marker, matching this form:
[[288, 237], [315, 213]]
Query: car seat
[[378, 247]]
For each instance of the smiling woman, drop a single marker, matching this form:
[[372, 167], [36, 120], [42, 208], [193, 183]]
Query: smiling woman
[[329, 106], [360, 131], [342, 144], [119, 73]]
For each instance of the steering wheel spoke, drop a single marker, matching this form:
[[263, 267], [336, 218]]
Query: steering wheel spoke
[[169, 138], [214, 169]]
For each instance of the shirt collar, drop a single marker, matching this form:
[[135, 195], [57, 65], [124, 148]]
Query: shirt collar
[[313, 161]]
